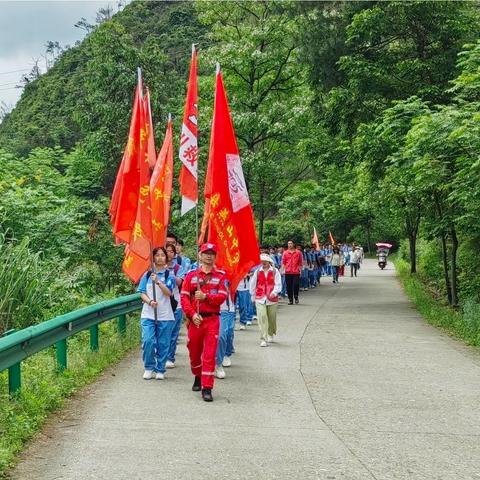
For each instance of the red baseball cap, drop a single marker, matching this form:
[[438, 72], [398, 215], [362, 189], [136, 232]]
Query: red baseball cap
[[208, 247]]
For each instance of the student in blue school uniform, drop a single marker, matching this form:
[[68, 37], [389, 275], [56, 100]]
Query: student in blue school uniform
[[157, 319]]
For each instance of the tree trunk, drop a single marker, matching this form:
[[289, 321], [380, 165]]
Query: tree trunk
[[261, 212], [412, 241], [412, 230], [453, 269], [369, 243], [445, 267]]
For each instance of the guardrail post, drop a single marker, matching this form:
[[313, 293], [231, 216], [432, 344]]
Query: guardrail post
[[94, 338], [14, 379], [122, 324], [61, 351], [14, 372]]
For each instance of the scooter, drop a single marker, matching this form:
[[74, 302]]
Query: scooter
[[382, 253], [382, 260]]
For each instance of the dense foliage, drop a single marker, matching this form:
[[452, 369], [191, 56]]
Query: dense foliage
[[361, 118]]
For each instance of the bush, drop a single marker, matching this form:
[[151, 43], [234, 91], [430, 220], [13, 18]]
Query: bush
[[23, 285]]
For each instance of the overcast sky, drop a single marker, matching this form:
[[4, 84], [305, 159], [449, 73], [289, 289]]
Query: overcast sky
[[25, 28]]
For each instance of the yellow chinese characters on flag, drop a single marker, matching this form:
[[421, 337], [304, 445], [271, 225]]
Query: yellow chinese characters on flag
[[134, 266], [161, 189], [141, 235]]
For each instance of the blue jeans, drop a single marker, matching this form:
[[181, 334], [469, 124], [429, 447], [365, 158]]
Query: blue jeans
[[244, 306], [328, 268], [178, 314], [156, 338], [312, 278], [225, 336], [283, 293], [304, 279], [335, 271]]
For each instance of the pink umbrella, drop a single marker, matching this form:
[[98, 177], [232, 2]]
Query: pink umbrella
[[386, 245]]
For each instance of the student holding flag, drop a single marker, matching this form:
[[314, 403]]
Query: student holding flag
[[157, 317]]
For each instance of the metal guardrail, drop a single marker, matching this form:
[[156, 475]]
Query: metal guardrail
[[15, 346]]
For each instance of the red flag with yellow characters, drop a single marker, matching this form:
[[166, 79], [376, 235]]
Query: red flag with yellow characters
[[161, 189], [231, 223], [134, 266], [123, 205], [141, 236]]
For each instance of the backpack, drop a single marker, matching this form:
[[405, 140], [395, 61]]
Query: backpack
[[173, 302]]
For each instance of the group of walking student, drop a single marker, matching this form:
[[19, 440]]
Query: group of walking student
[[175, 289]]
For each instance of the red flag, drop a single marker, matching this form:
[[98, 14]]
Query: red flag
[[231, 223], [123, 206], [161, 189], [140, 241], [188, 152], [332, 240], [315, 239], [134, 266]]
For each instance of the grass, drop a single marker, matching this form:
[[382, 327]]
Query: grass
[[462, 324], [43, 390]]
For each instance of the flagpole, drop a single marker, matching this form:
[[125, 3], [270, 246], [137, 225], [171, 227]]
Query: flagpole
[[152, 263]]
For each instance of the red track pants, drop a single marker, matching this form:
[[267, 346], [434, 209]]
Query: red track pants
[[202, 345]]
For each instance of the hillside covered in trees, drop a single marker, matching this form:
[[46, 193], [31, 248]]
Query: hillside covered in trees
[[360, 118]]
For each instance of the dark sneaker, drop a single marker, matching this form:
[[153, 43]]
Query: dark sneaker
[[207, 394], [197, 384], [296, 301], [290, 303]]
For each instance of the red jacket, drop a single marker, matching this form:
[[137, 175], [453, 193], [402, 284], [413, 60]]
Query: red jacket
[[212, 284], [292, 260]]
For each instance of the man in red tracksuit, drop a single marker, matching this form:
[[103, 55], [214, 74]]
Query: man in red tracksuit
[[203, 291]]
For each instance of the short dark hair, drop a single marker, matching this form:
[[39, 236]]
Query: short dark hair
[[180, 242], [172, 235]]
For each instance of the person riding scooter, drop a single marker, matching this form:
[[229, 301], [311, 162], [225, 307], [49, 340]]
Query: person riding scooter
[[382, 254]]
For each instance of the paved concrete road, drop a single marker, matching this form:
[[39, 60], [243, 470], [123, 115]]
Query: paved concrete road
[[357, 387]]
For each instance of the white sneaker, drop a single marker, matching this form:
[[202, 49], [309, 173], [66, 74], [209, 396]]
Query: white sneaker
[[159, 376], [169, 364], [263, 343], [270, 338], [148, 374], [242, 327], [227, 362], [219, 372], [248, 323]]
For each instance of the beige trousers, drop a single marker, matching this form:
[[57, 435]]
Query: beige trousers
[[267, 319]]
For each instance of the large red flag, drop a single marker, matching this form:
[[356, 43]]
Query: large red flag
[[123, 206], [161, 189], [231, 223], [140, 241], [188, 152]]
